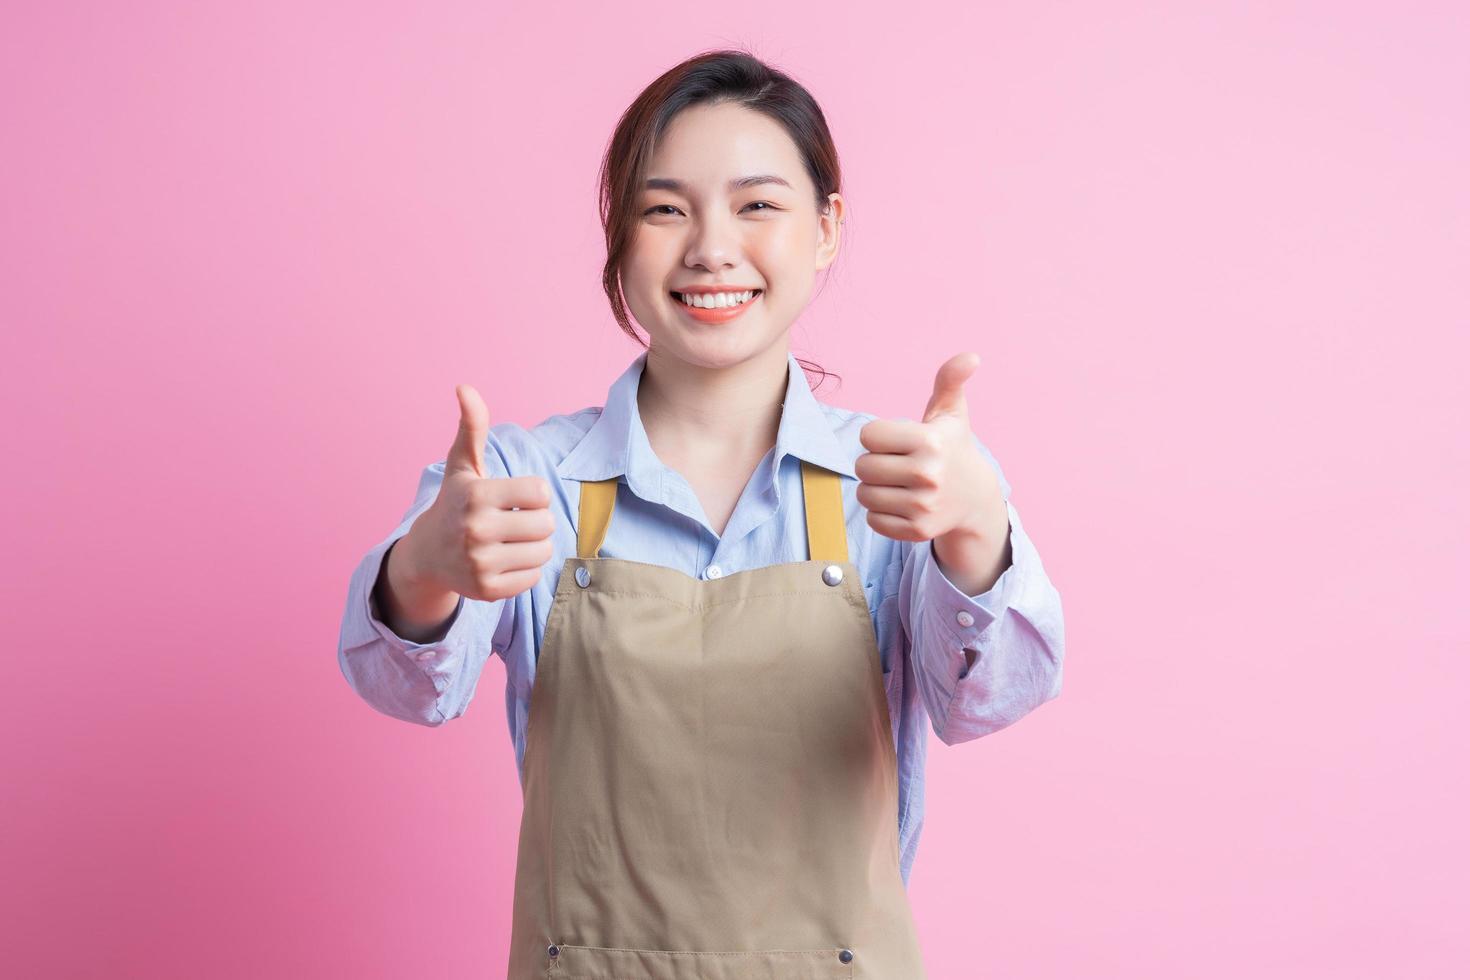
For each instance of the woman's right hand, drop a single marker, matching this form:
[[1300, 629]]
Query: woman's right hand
[[482, 537]]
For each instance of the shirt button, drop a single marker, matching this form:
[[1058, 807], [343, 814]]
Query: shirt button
[[425, 655], [713, 572], [964, 618]]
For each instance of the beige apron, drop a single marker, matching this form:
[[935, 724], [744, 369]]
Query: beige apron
[[711, 789]]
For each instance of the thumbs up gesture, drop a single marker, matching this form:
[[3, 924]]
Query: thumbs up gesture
[[927, 480], [483, 537]]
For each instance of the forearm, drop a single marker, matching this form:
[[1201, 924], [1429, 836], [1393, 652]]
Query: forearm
[[974, 556], [410, 606]]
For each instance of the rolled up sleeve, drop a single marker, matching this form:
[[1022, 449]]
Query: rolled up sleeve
[[424, 683], [982, 662]]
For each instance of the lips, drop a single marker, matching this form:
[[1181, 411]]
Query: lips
[[720, 314]]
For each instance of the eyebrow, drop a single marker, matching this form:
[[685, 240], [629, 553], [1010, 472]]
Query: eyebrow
[[670, 184]]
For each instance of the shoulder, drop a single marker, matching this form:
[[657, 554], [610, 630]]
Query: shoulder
[[847, 426], [557, 435], [845, 422], [539, 449]]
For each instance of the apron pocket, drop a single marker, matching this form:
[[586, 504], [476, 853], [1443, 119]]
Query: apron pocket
[[607, 963]]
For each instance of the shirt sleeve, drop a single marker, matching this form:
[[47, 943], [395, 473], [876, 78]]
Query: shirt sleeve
[[982, 662], [425, 683]]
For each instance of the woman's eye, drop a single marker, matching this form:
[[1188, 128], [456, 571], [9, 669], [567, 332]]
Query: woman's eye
[[665, 209]]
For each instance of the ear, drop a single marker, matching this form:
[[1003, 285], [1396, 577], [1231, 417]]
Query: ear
[[829, 229]]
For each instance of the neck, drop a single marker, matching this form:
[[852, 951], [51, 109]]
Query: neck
[[730, 412]]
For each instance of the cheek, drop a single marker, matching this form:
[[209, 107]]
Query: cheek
[[651, 254], [640, 265], [783, 251]]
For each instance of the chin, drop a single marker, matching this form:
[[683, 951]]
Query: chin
[[710, 346], [719, 356]]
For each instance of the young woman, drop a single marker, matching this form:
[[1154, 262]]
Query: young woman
[[725, 608]]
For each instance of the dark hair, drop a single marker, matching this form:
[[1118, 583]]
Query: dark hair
[[711, 77]]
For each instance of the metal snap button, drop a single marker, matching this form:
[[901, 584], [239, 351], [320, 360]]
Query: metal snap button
[[552, 951], [584, 577], [845, 956], [832, 575]]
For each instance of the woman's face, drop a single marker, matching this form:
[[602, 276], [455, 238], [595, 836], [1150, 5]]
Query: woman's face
[[696, 229]]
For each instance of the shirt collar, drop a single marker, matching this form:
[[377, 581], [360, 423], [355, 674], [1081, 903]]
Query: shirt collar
[[617, 444]]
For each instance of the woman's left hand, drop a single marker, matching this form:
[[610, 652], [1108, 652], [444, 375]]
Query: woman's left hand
[[928, 480]]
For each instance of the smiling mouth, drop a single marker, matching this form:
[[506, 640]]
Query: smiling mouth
[[678, 297]]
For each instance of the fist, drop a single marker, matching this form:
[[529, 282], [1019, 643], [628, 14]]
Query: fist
[[483, 537], [921, 480]]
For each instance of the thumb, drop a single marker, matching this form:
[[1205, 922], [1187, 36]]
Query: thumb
[[467, 453], [949, 387]]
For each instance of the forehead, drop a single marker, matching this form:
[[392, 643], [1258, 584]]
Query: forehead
[[706, 146]]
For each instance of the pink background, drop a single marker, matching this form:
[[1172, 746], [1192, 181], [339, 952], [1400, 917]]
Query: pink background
[[1213, 257]]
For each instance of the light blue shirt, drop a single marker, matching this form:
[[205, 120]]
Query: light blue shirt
[[971, 664]]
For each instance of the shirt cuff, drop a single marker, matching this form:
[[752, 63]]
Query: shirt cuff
[[965, 618]]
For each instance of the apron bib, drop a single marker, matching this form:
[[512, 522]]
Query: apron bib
[[711, 788]]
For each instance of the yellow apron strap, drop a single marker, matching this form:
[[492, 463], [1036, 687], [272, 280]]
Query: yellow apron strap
[[826, 527], [593, 515]]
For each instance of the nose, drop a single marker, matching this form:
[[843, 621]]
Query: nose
[[714, 245]]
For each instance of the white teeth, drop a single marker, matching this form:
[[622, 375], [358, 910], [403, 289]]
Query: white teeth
[[711, 301]]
